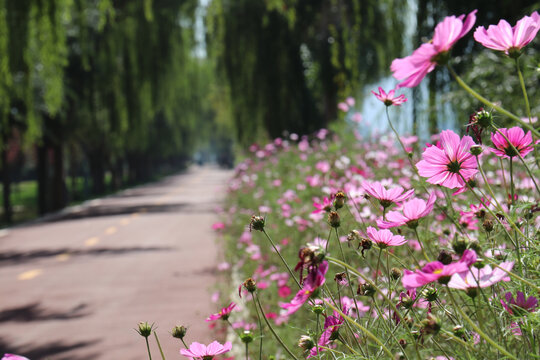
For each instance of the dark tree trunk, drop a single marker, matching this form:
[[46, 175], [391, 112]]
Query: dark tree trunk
[[59, 198], [97, 172], [6, 180], [42, 177]]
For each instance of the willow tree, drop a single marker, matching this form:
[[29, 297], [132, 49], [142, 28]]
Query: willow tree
[[283, 65]]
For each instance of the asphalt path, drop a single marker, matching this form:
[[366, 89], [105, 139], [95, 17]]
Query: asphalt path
[[73, 286]]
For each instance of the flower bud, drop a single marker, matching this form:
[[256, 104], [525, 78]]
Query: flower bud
[[395, 273], [460, 332], [339, 199], [407, 302], [333, 219], [484, 118], [476, 150], [250, 285], [399, 356], [445, 257], [257, 223], [179, 332], [430, 294], [475, 245], [403, 343], [246, 337], [366, 244], [305, 343], [488, 225], [366, 289], [460, 245], [341, 278], [317, 309], [472, 292], [145, 329], [430, 325]]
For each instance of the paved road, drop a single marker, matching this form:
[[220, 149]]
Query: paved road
[[74, 287]]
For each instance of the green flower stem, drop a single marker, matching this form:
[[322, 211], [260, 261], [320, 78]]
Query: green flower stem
[[282, 259], [148, 348], [357, 273], [387, 328], [490, 190], [458, 340], [363, 329], [377, 267], [279, 340], [512, 190], [475, 327], [260, 328], [247, 352], [522, 83], [489, 103], [159, 346], [421, 245], [185, 345], [400, 142]]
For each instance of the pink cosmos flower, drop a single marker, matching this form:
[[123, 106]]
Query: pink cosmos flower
[[13, 357], [386, 197], [509, 39], [332, 324], [481, 277], [521, 141], [411, 212], [325, 206], [384, 237], [223, 314], [519, 303], [389, 99], [314, 280], [413, 68], [198, 351], [438, 271], [450, 162]]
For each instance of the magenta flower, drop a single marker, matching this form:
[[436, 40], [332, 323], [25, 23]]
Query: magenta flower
[[509, 39], [412, 211], [13, 357], [315, 278], [384, 238], [438, 271], [520, 303], [481, 277], [389, 99], [325, 206], [449, 163], [223, 314], [332, 324], [386, 197], [198, 351], [521, 141], [413, 68]]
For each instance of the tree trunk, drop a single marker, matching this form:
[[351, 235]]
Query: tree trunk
[[42, 178], [6, 180], [59, 198]]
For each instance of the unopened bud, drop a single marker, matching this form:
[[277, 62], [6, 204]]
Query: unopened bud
[[403, 343], [257, 223], [472, 292], [476, 150], [334, 219], [250, 285], [395, 273], [460, 245], [488, 225], [366, 289], [246, 337], [305, 343], [179, 332], [445, 257], [339, 199], [430, 294], [460, 332], [145, 329], [317, 309], [475, 245], [484, 119], [366, 244]]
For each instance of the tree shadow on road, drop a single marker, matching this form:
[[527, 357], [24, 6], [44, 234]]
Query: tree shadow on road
[[35, 312], [20, 257], [59, 349]]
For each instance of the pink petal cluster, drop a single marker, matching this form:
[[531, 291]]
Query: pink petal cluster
[[504, 37], [528, 304], [325, 206], [481, 277], [198, 351], [314, 280], [332, 324], [390, 98], [386, 197], [521, 141], [411, 212], [436, 270], [413, 68], [223, 314], [13, 357], [384, 237], [449, 163]]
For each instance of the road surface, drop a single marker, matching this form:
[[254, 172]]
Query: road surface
[[74, 287]]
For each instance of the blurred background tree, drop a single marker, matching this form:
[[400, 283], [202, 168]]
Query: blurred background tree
[[99, 94]]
